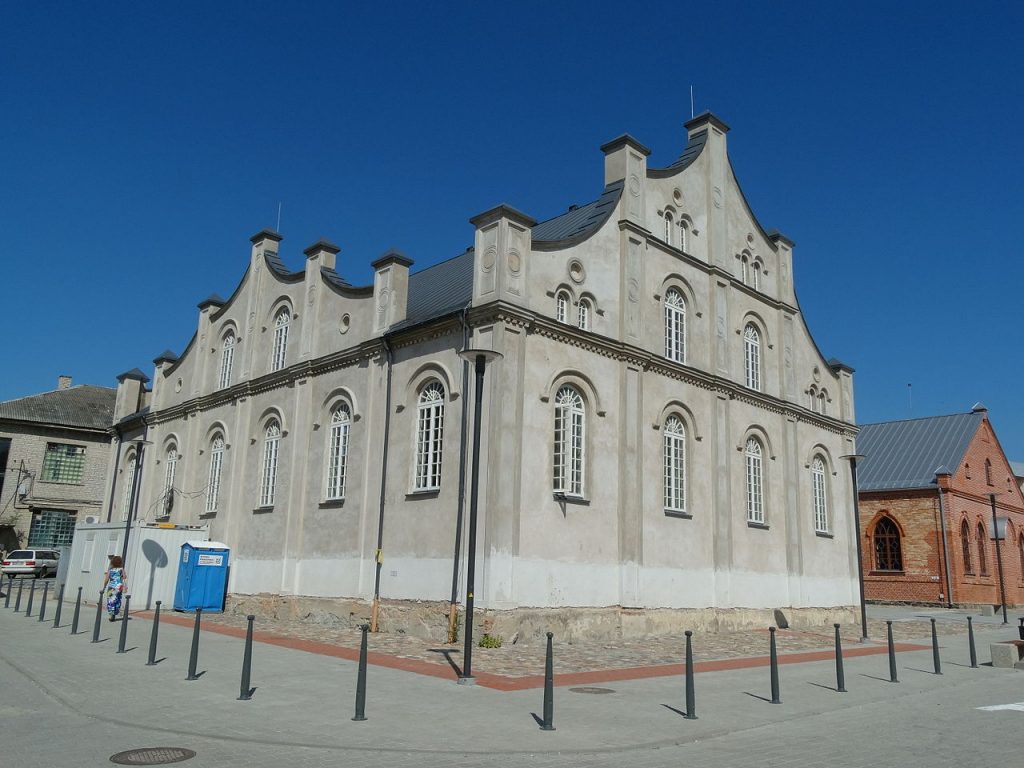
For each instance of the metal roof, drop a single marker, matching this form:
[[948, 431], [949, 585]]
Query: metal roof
[[690, 153], [439, 290], [905, 454], [576, 224], [1017, 467], [83, 406]]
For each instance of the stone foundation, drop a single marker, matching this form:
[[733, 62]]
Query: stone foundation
[[429, 620]]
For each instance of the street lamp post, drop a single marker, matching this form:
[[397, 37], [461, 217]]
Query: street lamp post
[[479, 358], [999, 554], [854, 458], [133, 501]]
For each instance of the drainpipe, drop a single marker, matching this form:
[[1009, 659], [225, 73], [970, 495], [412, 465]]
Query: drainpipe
[[379, 554], [113, 475], [453, 611], [939, 473]]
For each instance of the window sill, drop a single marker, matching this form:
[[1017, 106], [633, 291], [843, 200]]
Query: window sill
[[759, 526], [678, 513], [824, 535], [886, 573], [208, 515], [61, 482], [564, 498], [263, 510], [431, 493], [331, 503]]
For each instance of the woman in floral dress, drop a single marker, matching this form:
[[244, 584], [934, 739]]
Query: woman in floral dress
[[114, 586]]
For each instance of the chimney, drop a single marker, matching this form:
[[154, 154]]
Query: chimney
[[131, 386], [390, 289], [63, 382]]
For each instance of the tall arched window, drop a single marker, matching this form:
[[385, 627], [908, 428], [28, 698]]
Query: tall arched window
[[820, 495], [755, 481], [675, 464], [669, 224], [684, 235], [812, 398], [129, 482], [227, 357], [337, 451], [988, 471], [584, 315], [429, 437], [569, 434], [965, 543], [282, 320], [752, 356], [170, 469], [822, 402], [888, 553], [756, 275], [745, 269], [675, 326], [1020, 553], [982, 543], [216, 465], [562, 307], [268, 484]]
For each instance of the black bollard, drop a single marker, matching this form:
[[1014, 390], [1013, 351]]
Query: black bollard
[[74, 616], [245, 692], [99, 616], [193, 657], [42, 602], [935, 650], [17, 602], [773, 661], [1020, 629], [691, 699], [123, 639], [840, 676], [970, 643], [10, 588], [549, 689], [361, 679], [892, 654], [59, 608], [31, 597], [153, 635]]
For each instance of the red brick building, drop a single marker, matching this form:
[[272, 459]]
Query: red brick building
[[925, 489]]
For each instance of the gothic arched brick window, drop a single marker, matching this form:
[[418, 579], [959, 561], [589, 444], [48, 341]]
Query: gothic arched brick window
[[982, 560], [988, 472], [886, 540], [965, 543]]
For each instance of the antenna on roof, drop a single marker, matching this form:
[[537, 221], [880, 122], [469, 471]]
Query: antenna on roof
[[278, 218], [910, 394], [691, 101]]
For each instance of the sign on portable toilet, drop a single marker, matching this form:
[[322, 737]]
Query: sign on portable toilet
[[202, 576]]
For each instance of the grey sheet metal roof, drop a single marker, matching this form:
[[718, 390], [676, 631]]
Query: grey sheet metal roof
[[277, 266], [1017, 467], [439, 290], [577, 224], [905, 454], [690, 153], [83, 406]]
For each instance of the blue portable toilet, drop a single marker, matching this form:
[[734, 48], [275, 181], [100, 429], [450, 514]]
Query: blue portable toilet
[[202, 576]]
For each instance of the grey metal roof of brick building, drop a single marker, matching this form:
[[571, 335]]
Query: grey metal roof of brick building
[[903, 455], [83, 406]]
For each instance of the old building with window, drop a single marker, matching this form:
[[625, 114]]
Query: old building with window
[[647, 441], [53, 461], [927, 491]]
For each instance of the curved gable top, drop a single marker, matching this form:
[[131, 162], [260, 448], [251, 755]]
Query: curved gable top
[[577, 224], [279, 270], [690, 153]]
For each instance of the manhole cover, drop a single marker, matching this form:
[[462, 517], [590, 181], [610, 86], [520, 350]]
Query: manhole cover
[[591, 689], [152, 756]]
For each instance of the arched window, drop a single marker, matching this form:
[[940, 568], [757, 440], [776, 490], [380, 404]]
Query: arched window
[[988, 471], [820, 495], [755, 482], [337, 451], [216, 464], [888, 553], [268, 484], [562, 307], [170, 469], [675, 464], [569, 435], [965, 543], [429, 437], [227, 357], [822, 402], [757, 275], [129, 482], [745, 269], [812, 398], [584, 315], [1020, 553], [282, 320], [752, 356], [982, 543], [669, 222], [675, 326], [684, 235]]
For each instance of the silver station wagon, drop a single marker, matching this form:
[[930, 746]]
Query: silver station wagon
[[37, 562]]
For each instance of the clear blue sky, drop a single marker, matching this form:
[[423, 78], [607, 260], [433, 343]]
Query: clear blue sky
[[141, 144]]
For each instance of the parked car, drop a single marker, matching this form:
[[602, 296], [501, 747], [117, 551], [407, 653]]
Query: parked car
[[38, 562]]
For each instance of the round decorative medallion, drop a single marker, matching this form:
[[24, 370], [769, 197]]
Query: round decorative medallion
[[817, 374], [677, 195], [346, 321], [717, 197], [178, 385], [750, 238], [515, 262], [633, 289], [488, 258], [634, 186], [312, 295], [576, 271], [382, 302]]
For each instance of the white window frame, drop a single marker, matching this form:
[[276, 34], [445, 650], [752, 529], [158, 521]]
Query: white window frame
[[819, 488], [282, 321], [675, 325], [674, 452], [429, 436], [569, 454], [129, 481], [562, 307], [271, 448], [227, 358], [684, 235], [752, 356], [669, 225], [170, 470], [754, 460], [583, 315], [216, 467], [756, 277], [337, 452]]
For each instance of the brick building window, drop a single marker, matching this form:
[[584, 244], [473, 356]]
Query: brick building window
[[1020, 554], [63, 463], [982, 563], [888, 553], [965, 543], [988, 471]]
